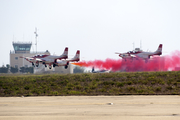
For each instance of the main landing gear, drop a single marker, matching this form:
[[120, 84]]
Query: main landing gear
[[66, 66]]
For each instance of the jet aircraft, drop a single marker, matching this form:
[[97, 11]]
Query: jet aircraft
[[53, 60], [100, 71], [46, 59], [65, 62], [137, 53]]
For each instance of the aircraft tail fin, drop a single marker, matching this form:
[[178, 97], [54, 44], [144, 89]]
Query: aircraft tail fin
[[159, 50], [76, 58], [92, 69], [65, 51]]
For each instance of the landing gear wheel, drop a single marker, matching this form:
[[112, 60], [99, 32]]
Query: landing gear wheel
[[33, 64], [54, 65], [66, 67], [50, 67], [37, 64]]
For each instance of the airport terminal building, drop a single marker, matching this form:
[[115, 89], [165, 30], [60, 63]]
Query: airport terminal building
[[22, 49]]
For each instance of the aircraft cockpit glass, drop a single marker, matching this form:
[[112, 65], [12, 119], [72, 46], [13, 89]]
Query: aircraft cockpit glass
[[36, 55], [130, 52]]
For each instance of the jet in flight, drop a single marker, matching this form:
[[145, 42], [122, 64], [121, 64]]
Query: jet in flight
[[46, 59], [137, 53], [65, 62]]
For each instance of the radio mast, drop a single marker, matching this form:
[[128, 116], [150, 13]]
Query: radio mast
[[36, 35]]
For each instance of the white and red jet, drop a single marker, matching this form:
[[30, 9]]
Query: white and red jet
[[65, 62], [137, 53], [46, 59]]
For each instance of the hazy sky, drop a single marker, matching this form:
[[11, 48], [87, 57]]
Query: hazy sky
[[98, 28]]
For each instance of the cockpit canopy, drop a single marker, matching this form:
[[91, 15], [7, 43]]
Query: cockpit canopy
[[135, 51], [39, 55]]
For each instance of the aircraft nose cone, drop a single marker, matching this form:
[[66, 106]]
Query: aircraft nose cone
[[121, 55]]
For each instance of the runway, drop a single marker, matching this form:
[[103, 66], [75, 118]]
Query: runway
[[90, 108]]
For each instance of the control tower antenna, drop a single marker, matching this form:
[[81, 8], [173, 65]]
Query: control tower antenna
[[133, 46], [36, 35]]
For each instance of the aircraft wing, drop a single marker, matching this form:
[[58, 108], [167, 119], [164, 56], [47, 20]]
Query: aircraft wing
[[39, 60], [133, 56], [29, 59], [144, 56], [117, 53]]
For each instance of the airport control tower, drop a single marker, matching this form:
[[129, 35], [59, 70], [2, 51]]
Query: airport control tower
[[20, 47]]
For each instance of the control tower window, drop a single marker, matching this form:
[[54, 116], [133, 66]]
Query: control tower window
[[22, 47], [27, 49], [16, 47]]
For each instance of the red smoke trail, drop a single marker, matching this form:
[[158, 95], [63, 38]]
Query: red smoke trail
[[165, 63], [108, 64], [173, 61]]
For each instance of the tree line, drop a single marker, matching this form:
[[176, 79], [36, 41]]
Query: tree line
[[8, 69]]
